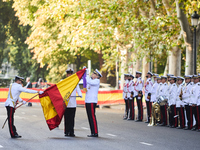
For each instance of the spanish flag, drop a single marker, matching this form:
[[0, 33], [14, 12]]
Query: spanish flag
[[55, 99]]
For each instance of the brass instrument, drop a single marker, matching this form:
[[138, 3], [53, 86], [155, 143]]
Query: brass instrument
[[181, 94], [155, 114]]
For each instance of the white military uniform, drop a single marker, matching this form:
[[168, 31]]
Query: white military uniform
[[154, 91], [172, 94], [186, 93], [130, 89], [72, 98], [148, 88], [14, 93], [138, 86], [92, 90], [125, 90], [163, 90], [179, 102], [194, 94]]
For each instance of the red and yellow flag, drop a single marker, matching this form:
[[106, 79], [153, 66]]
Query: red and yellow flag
[[55, 99]]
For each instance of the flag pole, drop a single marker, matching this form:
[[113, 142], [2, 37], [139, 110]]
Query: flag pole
[[18, 107], [27, 101]]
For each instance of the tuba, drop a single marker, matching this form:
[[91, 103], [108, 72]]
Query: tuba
[[155, 114]]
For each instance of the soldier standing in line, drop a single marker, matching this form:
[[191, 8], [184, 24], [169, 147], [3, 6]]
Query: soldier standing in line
[[186, 100], [163, 91], [179, 103], [139, 95], [125, 96], [130, 95], [194, 99], [172, 103], [148, 87]]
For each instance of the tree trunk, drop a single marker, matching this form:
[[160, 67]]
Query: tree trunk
[[123, 69], [175, 61], [104, 74], [145, 67], [166, 67]]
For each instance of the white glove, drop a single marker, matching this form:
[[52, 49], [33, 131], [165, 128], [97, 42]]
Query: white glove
[[84, 67], [24, 102], [41, 92], [81, 96]]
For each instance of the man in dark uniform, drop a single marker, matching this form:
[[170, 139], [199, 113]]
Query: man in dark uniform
[[70, 111], [91, 100]]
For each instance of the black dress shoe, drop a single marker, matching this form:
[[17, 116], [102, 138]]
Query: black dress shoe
[[72, 135], [162, 124], [138, 120], [179, 128], [130, 119], [172, 126], [124, 118], [193, 129], [146, 121], [16, 136], [92, 135], [198, 130], [186, 128]]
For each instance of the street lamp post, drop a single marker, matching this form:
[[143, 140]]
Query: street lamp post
[[195, 19]]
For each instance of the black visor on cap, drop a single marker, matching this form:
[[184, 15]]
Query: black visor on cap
[[69, 72]]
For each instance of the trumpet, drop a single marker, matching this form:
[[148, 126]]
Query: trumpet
[[181, 94]]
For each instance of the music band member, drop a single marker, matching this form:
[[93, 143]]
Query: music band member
[[138, 95], [148, 87]]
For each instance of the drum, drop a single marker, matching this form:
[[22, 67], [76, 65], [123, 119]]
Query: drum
[[162, 100]]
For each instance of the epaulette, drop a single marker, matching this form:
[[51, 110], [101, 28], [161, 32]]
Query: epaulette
[[174, 84]]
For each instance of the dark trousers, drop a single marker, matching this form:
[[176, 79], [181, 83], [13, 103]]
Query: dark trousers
[[198, 117], [172, 113], [132, 110], [140, 108], [189, 116], [180, 112], [195, 112], [69, 116], [126, 108], [10, 114], [90, 109], [149, 106], [163, 111]]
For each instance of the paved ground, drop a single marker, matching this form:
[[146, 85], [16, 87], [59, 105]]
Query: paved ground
[[114, 133]]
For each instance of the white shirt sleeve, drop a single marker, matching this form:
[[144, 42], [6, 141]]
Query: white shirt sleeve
[[92, 82], [21, 89], [78, 91]]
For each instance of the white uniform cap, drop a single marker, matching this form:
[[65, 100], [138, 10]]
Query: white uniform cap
[[169, 75], [155, 75], [163, 77], [97, 72], [138, 72], [150, 73], [70, 70], [187, 76], [180, 78], [20, 78], [195, 76]]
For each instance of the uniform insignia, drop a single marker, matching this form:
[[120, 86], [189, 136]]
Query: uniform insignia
[[149, 79], [147, 82], [174, 84], [140, 82]]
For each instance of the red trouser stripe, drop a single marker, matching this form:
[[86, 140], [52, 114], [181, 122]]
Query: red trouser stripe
[[132, 109], [93, 117], [165, 115], [175, 124], [10, 120], [191, 118], [198, 125], [182, 116], [141, 109]]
